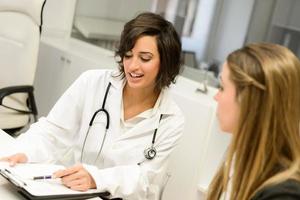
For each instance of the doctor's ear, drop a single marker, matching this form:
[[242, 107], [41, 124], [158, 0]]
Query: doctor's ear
[[118, 58]]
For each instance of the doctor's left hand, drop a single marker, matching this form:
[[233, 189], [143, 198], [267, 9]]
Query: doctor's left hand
[[76, 178]]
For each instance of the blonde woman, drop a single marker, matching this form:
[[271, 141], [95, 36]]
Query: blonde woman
[[259, 103]]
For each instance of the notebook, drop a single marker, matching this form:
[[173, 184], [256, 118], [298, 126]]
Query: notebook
[[21, 177]]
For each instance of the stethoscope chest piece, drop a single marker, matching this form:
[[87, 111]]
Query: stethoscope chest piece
[[150, 153]]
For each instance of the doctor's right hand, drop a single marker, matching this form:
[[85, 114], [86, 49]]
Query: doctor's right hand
[[14, 159]]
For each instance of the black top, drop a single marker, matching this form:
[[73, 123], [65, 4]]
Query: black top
[[288, 190]]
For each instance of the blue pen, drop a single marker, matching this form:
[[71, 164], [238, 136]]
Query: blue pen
[[42, 177]]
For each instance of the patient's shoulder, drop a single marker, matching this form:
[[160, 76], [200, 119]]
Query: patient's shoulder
[[287, 190]]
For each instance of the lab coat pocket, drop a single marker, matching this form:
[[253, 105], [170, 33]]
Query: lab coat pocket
[[125, 153], [136, 155]]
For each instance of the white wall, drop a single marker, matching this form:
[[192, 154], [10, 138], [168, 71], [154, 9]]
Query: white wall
[[261, 18], [207, 42], [58, 18], [220, 27], [202, 26], [126, 10], [232, 28], [112, 9]]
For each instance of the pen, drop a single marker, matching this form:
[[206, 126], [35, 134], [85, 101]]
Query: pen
[[42, 177]]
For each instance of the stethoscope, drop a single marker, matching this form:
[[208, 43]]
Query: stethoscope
[[149, 153]]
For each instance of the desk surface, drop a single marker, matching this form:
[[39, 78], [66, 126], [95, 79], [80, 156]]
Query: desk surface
[[7, 192], [5, 141]]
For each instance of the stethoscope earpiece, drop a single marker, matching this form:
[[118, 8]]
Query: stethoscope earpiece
[[150, 153]]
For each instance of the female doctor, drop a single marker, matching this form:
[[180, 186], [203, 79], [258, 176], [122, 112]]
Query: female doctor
[[115, 130]]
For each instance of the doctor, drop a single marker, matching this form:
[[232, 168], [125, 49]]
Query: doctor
[[115, 130]]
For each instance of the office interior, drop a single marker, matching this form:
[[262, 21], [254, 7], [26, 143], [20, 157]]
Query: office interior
[[78, 35]]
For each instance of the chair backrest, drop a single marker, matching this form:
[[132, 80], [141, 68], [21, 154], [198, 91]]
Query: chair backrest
[[20, 22], [20, 28]]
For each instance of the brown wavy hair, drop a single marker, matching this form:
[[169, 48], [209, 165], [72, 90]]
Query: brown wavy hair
[[168, 44], [265, 148]]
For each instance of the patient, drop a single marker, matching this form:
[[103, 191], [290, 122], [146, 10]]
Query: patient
[[259, 103]]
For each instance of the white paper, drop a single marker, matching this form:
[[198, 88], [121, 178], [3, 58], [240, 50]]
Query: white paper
[[24, 173]]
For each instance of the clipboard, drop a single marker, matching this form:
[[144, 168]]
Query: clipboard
[[39, 190]]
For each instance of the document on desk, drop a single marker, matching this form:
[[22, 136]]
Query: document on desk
[[21, 176]]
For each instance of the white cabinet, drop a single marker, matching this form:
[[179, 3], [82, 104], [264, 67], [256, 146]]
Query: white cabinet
[[60, 62], [196, 159], [46, 78]]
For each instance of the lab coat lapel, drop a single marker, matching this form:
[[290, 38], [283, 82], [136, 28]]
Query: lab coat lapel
[[147, 126], [114, 106], [143, 128]]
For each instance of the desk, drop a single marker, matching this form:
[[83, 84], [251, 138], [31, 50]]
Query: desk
[[99, 28], [7, 192]]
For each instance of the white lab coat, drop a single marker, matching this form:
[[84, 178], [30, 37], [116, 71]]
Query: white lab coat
[[59, 137]]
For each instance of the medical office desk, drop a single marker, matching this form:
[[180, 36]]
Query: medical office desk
[[7, 192]]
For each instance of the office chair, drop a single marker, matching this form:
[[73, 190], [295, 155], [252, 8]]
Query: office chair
[[20, 29]]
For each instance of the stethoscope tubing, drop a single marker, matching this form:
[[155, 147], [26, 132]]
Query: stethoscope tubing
[[102, 109], [149, 153]]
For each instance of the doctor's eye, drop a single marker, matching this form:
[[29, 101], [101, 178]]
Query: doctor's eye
[[145, 59], [128, 55]]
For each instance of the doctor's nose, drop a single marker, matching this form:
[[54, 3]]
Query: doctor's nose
[[132, 64]]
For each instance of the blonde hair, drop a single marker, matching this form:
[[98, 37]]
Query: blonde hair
[[265, 148]]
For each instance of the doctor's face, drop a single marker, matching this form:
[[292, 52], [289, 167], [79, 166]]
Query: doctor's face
[[141, 63], [228, 107]]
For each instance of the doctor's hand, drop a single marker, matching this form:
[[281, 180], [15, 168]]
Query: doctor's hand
[[76, 178], [14, 159]]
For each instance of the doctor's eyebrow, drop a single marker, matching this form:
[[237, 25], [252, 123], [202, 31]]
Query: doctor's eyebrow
[[145, 53], [140, 53]]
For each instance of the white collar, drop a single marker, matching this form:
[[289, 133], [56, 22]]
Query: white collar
[[164, 103]]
